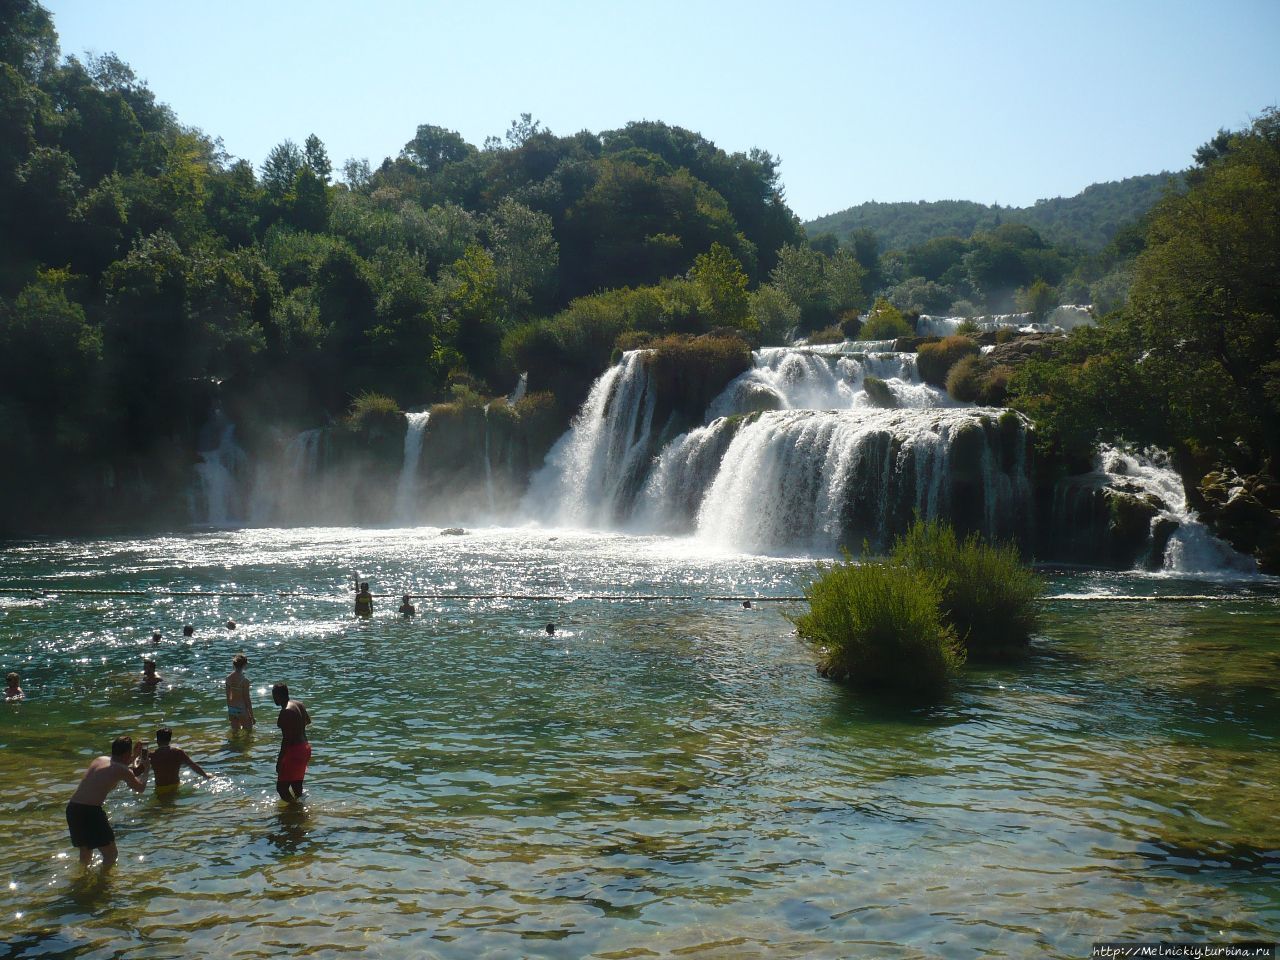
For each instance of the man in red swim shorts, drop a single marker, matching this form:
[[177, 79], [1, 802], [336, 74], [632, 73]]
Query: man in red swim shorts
[[295, 751]]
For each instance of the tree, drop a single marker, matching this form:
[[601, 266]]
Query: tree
[[801, 275], [281, 169], [1038, 300], [719, 277], [525, 255], [433, 148], [317, 158]]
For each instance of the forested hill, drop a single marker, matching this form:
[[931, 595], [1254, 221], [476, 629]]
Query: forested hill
[[1090, 219]]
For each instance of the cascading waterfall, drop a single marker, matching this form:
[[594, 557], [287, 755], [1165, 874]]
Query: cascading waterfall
[[217, 498], [795, 454], [594, 470], [1192, 548], [406, 502]]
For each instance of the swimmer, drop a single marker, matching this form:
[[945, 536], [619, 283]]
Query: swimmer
[[86, 820], [231, 624], [13, 687], [364, 601], [746, 604], [295, 750], [239, 705], [407, 609], [188, 631], [155, 636], [150, 679], [551, 629], [167, 761]]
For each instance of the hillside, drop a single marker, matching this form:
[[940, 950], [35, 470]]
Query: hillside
[[1089, 219]]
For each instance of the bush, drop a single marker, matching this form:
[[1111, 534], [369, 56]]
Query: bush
[[965, 379], [878, 627], [370, 409], [831, 334], [935, 360], [993, 390], [988, 594], [885, 322], [688, 372], [878, 392]]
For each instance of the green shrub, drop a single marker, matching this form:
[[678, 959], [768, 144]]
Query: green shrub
[[964, 380], [935, 360], [988, 594], [878, 627], [831, 334], [993, 390], [878, 392], [371, 408], [688, 372], [885, 322]]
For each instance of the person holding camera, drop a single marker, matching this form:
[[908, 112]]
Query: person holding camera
[[86, 820]]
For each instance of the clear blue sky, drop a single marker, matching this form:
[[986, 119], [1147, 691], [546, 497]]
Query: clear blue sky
[[997, 101]]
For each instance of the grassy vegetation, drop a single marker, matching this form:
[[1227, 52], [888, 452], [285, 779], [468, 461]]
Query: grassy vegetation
[[688, 372], [878, 627], [370, 410], [885, 322], [988, 594], [879, 393], [935, 360]]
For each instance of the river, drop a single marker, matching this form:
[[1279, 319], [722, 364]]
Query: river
[[661, 777]]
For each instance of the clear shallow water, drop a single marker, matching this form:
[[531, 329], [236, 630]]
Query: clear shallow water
[[665, 778]]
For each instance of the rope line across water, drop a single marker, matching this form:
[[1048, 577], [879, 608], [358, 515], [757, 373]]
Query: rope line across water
[[566, 597]]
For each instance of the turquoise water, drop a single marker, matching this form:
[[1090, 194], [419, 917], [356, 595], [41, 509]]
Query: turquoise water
[[662, 778]]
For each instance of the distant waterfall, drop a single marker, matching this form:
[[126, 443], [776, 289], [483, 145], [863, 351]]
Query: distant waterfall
[[1192, 548], [595, 469], [406, 503], [217, 498]]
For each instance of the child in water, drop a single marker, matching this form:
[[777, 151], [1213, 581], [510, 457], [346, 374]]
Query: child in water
[[13, 690]]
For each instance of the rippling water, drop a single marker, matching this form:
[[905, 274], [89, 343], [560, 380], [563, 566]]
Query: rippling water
[[660, 778]]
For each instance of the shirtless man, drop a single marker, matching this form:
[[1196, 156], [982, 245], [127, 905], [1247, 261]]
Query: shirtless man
[[167, 761], [239, 706], [86, 820], [150, 679], [295, 750]]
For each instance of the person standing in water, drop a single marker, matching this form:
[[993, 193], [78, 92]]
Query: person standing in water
[[407, 609], [295, 749], [239, 704], [364, 601], [150, 679], [86, 820], [13, 687], [168, 761]]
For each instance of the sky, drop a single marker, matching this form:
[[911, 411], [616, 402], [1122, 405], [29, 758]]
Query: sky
[[993, 101]]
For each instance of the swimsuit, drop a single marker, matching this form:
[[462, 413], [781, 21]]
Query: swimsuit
[[235, 712], [293, 762], [89, 826], [163, 789]]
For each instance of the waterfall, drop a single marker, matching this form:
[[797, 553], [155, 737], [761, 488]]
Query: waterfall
[[669, 500], [819, 479], [594, 470], [488, 466], [522, 387], [406, 503], [1192, 548], [217, 498]]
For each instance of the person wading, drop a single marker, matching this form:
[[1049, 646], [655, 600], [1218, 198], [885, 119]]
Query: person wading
[[86, 820], [295, 750]]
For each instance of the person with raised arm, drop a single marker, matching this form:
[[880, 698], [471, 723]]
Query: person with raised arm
[[86, 820], [167, 761]]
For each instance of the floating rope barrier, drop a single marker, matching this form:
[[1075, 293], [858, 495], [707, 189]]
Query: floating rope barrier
[[571, 597]]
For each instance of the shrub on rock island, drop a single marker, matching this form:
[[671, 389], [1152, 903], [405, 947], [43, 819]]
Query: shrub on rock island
[[878, 627], [885, 322], [935, 360], [689, 372], [988, 594]]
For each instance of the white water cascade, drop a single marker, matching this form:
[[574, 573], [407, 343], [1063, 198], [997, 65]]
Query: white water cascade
[[593, 469], [1192, 548], [795, 453], [406, 503], [217, 497]]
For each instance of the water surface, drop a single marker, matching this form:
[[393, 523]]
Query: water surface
[[660, 778]]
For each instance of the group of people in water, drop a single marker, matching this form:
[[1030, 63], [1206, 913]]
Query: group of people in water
[[132, 763]]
